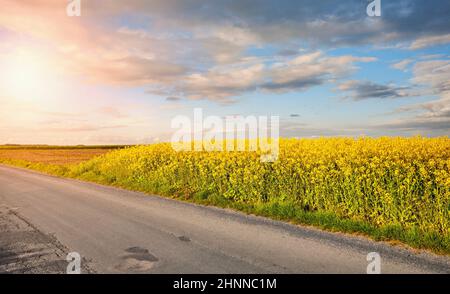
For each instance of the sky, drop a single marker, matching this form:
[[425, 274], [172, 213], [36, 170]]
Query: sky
[[122, 70]]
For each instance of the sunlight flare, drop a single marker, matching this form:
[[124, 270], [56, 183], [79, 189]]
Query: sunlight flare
[[26, 76]]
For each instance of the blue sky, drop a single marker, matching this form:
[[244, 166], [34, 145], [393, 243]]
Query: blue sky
[[120, 72]]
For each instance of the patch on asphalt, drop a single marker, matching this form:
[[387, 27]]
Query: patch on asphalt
[[137, 260], [184, 239]]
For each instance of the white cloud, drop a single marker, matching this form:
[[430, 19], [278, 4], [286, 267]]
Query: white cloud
[[434, 76], [224, 82], [429, 41], [402, 65], [310, 70], [433, 73]]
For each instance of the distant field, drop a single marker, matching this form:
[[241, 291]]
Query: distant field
[[53, 155], [51, 147]]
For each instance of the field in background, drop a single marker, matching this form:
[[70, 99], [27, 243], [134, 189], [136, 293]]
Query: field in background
[[52, 147], [56, 155], [52, 156], [386, 188]]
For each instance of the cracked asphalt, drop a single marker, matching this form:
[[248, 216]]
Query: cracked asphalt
[[26, 250]]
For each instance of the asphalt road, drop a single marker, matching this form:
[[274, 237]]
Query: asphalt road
[[119, 231]]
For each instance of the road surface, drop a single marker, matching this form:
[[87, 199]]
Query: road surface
[[118, 231]]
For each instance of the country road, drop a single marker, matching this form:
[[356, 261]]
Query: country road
[[118, 231]]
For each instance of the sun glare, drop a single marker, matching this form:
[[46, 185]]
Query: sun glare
[[26, 77]]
